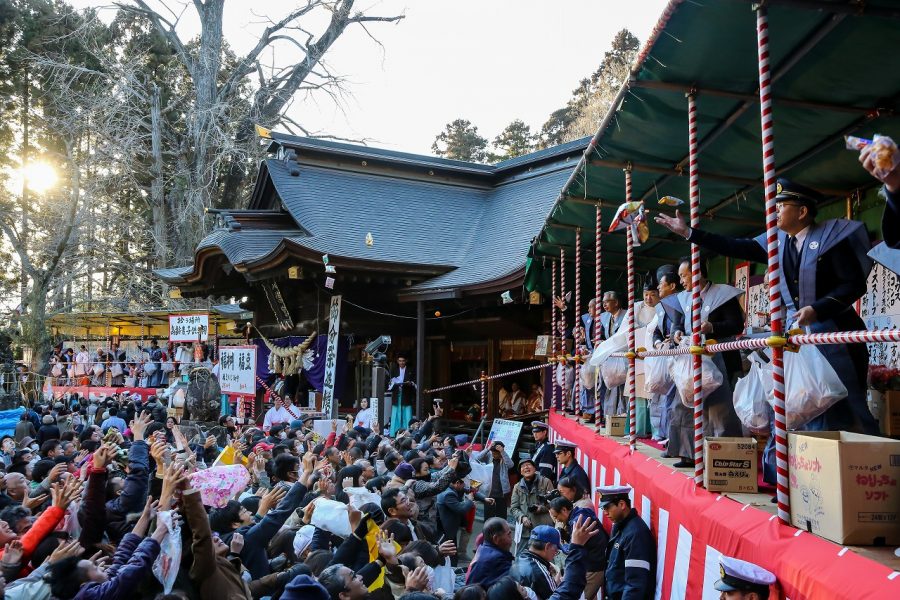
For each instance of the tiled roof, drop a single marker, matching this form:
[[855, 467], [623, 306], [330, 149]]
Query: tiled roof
[[477, 229]]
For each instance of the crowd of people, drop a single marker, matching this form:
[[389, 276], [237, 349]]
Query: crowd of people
[[112, 499], [150, 366]]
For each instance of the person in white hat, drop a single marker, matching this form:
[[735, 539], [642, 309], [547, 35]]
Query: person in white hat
[[742, 580]]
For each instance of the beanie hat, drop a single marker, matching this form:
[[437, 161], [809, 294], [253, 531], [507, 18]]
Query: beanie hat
[[304, 587]]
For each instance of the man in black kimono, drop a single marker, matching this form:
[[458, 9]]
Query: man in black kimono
[[823, 271]]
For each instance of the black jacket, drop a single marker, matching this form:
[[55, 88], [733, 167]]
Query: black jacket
[[545, 460], [631, 560], [533, 572], [452, 507]]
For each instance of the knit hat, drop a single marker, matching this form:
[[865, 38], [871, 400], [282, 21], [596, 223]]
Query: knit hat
[[404, 471], [304, 587]]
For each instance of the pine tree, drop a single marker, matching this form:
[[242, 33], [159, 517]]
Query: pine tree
[[593, 97], [514, 141], [460, 141]]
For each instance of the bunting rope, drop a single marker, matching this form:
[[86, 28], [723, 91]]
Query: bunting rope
[[595, 316], [576, 400]]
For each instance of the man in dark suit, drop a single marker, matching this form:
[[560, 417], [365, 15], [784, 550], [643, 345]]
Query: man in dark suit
[[453, 504], [403, 394], [823, 270]]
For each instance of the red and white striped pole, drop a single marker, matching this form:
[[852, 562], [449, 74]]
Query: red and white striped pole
[[554, 351], [562, 332], [775, 309], [696, 358], [595, 314], [629, 259], [483, 395], [575, 348]]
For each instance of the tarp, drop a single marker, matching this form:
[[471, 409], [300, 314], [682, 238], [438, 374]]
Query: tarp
[[832, 76]]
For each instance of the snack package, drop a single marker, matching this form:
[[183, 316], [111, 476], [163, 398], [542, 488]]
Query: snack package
[[671, 201], [884, 150]]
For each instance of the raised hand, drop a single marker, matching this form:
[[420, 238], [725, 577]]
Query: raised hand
[[64, 494], [271, 499], [416, 580], [174, 477], [237, 543], [158, 452], [139, 425], [33, 503], [66, 550], [13, 552], [448, 548], [674, 224], [386, 549]]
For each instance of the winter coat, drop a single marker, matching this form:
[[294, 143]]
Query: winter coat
[[524, 497], [134, 493], [217, 577], [125, 576], [491, 565]]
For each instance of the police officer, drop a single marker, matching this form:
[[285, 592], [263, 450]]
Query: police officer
[[543, 458], [565, 455], [742, 580], [631, 551]]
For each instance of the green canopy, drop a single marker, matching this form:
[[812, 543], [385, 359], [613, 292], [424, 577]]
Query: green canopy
[[833, 73]]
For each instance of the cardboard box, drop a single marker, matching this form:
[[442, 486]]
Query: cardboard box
[[845, 486], [616, 425], [731, 464], [890, 413]]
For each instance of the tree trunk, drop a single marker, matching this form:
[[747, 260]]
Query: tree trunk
[[157, 190]]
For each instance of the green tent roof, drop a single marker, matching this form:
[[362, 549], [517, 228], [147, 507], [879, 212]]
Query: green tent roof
[[833, 74]]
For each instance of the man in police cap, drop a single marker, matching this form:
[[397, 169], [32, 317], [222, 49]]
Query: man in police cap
[[544, 458], [742, 580], [565, 455], [823, 271], [631, 551]]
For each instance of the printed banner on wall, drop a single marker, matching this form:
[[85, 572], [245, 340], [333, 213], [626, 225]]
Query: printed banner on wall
[[188, 328], [237, 369], [329, 406]]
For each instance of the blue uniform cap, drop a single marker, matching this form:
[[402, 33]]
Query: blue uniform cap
[[738, 575], [546, 534], [539, 425], [561, 446], [613, 493]]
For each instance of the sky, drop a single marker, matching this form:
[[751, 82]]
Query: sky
[[488, 61]]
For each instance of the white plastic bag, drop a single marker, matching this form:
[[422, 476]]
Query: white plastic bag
[[618, 342], [682, 372], [750, 397], [116, 370], [614, 371], [481, 473], [332, 516], [811, 386], [657, 379], [360, 495], [166, 566], [98, 369], [130, 382], [168, 367], [56, 371], [588, 376], [149, 368], [444, 577]]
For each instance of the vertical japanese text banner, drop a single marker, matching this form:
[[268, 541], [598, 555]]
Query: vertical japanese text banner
[[329, 406], [237, 369]]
